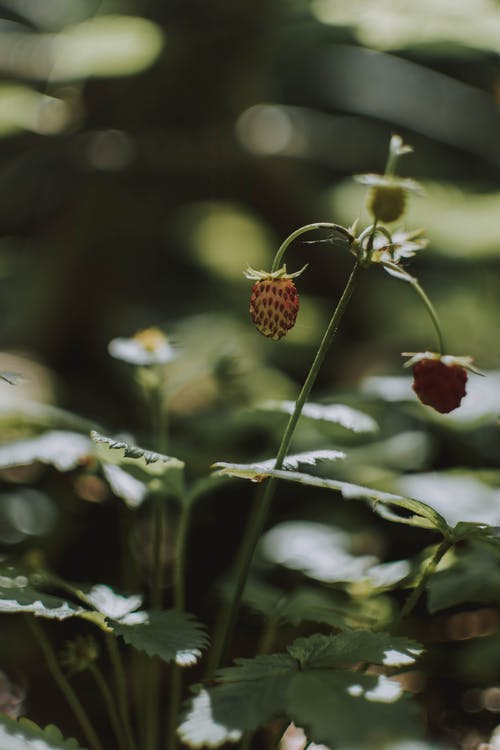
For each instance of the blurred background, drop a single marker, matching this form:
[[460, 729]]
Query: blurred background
[[150, 151]]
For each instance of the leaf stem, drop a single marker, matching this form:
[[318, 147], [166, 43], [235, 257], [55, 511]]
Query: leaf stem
[[429, 569], [64, 685], [263, 498], [425, 299]]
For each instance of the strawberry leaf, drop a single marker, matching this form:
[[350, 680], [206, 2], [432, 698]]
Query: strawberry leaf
[[304, 685], [171, 635], [26, 735]]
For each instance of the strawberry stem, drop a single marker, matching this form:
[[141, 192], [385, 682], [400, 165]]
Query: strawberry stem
[[277, 263], [264, 497]]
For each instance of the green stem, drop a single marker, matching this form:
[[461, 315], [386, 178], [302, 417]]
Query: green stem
[[302, 230], [120, 687], [153, 687], [425, 299], [429, 569], [263, 499], [180, 605], [110, 705], [63, 684]]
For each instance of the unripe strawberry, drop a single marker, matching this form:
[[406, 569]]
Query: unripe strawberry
[[274, 304], [439, 385]]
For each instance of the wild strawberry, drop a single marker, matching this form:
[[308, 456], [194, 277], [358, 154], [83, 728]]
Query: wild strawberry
[[440, 381], [274, 302]]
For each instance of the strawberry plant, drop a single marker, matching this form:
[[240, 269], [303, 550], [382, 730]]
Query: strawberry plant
[[310, 627]]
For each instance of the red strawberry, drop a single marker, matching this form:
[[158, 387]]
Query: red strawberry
[[274, 304], [439, 385]]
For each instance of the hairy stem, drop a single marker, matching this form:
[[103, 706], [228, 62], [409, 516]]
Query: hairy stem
[[264, 497], [63, 684]]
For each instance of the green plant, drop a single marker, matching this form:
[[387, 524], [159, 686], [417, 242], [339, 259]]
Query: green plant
[[335, 669]]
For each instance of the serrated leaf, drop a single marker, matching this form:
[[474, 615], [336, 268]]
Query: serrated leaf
[[59, 448], [24, 734], [167, 469], [18, 595], [345, 416], [307, 604], [473, 576], [415, 512], [171, 635], [255, 690]]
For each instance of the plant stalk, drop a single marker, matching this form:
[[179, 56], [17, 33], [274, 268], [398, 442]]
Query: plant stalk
[[64, 685], [120, 687], [110, 706], [180, 605], [263, 499]]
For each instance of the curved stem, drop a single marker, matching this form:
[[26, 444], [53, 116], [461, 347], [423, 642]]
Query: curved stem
[[425, 299], [263, 499], [302, 230], [429, 569], [62, 682]]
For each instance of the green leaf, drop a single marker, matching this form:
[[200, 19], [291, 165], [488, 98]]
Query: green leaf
[[479, 660], [18, 595], [308, 604], [22, 412], [458, 496], [415, 513], [124, 485], [310, 686], [151, 466], [26, 735], [472, 576], [59, 448], [345, 416], [171, 635]]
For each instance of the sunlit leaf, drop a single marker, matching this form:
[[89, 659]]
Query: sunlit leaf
[[26, 735], [61, 449], [345, 416], [171, 635], [153, 465], [311, 686], [18, 595], [124, 485], [391, 507], [458, 496]]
